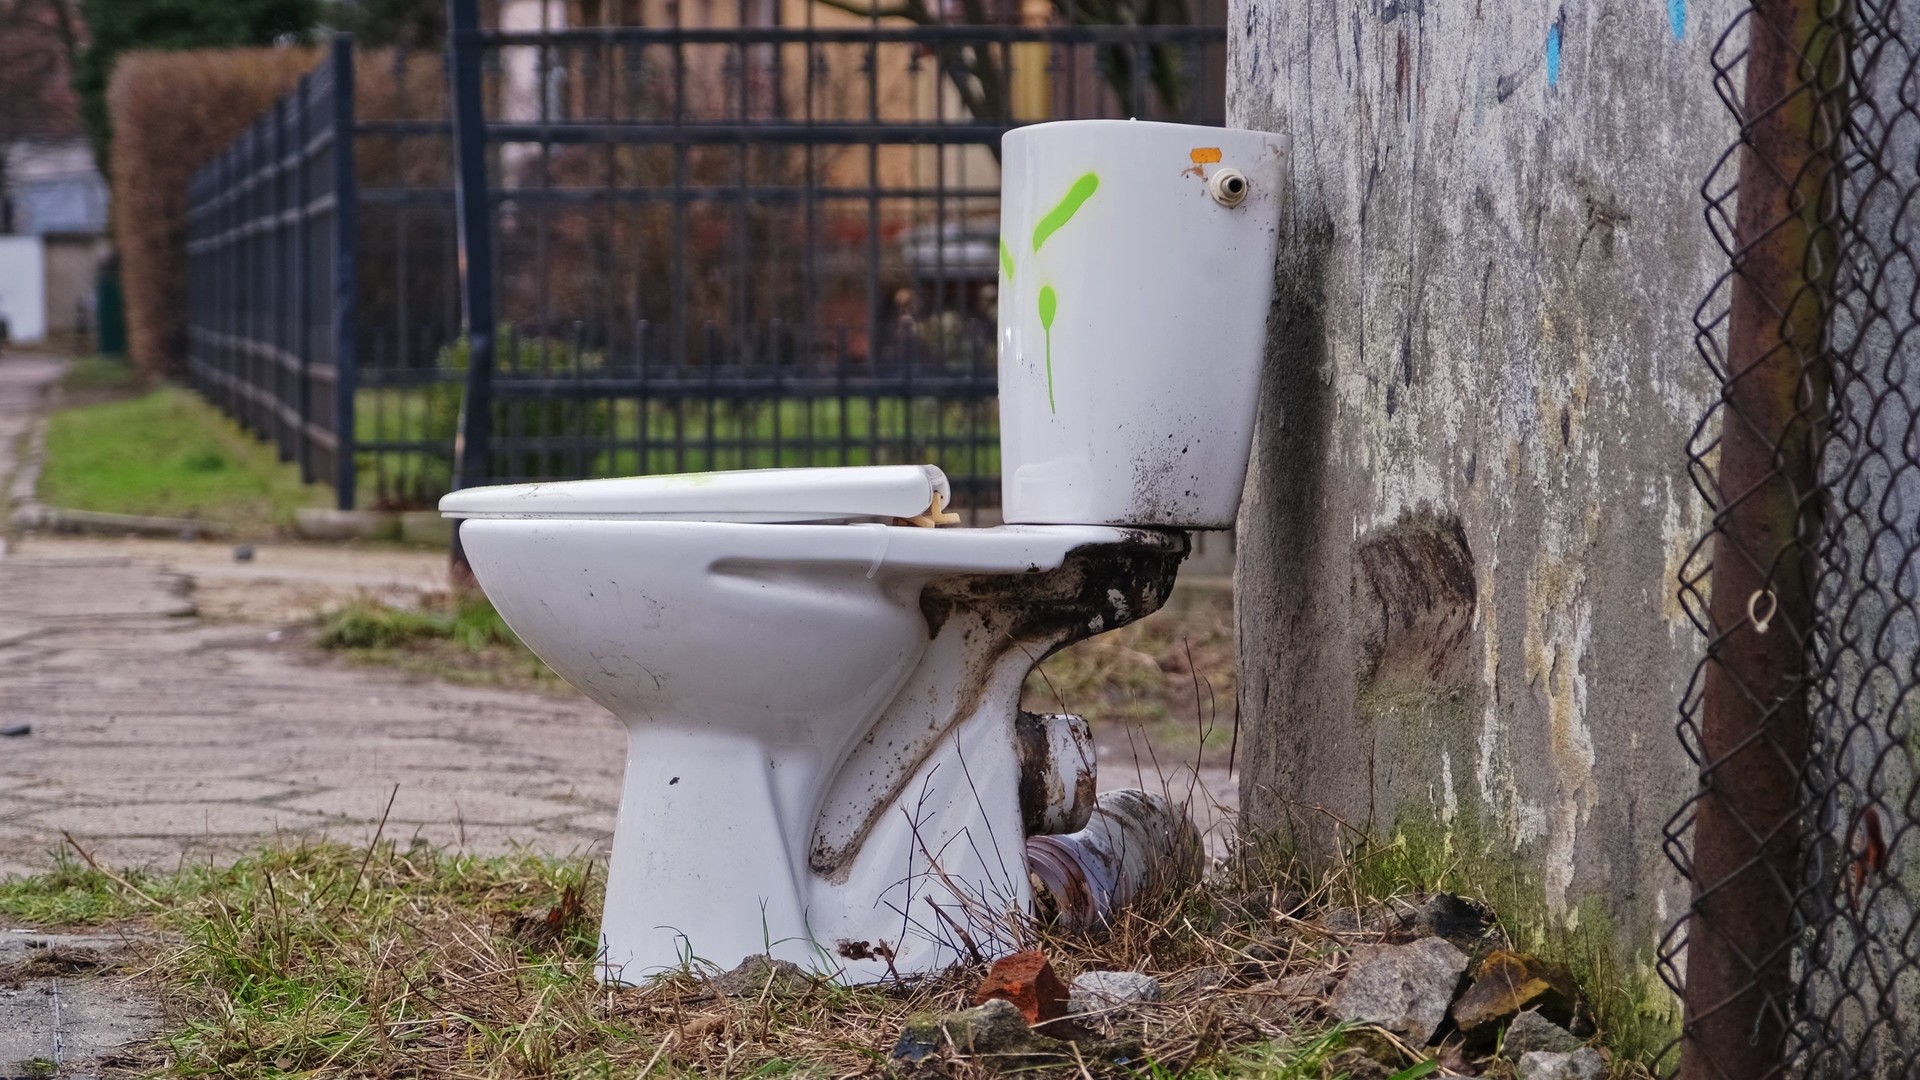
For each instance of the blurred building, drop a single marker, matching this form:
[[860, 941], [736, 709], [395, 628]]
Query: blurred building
[[53, 200], [53, 236]]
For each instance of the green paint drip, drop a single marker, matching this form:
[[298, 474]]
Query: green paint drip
[[1006, 260], [1077, 195], [1049, 304]]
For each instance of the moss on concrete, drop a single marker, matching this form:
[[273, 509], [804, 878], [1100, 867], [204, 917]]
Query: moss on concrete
[[1637, 1015], [1454, 848]]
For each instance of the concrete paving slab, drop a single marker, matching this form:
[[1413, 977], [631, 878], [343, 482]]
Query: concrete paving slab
[[282, 582], [36, 588], [159, 788], [161, 738], [60, 1015], [476, 806], [210, 818]]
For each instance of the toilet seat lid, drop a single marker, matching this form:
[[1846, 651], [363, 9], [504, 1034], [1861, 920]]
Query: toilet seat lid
[[769, 496]]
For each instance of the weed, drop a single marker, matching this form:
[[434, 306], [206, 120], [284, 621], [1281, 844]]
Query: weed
[[458, 638], [468, 622]]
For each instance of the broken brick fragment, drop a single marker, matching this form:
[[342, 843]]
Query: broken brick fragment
[[1027, 981]]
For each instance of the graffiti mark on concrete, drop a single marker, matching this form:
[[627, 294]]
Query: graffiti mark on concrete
[[1553, 54]]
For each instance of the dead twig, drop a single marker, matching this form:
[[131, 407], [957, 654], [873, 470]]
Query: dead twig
[[371, 846], [108, 874]]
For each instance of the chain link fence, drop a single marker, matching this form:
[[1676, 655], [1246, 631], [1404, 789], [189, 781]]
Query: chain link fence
[[1800, 955]]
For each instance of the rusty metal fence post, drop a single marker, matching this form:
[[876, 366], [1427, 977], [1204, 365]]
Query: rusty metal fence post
[[1751, 585]]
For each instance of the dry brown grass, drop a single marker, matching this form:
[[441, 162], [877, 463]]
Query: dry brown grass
[[325, 960], [386, 961]]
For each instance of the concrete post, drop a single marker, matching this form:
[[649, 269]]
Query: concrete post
[[1468, 504]]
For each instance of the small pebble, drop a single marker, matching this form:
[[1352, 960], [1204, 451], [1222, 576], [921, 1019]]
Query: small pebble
[[1106, 991], [1207, 980], [16, 731], [243, 553], [1583, 1064]]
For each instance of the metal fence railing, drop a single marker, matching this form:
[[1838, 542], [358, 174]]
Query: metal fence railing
[[270, 240], [767, 240], [1799, 955]]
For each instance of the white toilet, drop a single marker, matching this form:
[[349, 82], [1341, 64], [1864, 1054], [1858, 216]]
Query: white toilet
[[820, 685]]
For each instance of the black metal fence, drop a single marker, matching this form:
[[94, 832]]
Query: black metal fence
[[270, 240], [1799, 956], [769, 239]]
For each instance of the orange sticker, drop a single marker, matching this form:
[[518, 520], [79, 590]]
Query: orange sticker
[[1206, 155]]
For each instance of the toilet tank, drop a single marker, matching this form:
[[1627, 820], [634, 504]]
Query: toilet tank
[[1136, 272]]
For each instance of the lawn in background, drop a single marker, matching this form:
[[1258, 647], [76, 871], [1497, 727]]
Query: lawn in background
[[170, 454], [412, 428], [100, 375]]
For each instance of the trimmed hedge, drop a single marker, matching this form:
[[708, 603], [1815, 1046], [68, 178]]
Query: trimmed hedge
[[172, 112]]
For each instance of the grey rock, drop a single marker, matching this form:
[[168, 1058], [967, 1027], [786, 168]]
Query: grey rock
[[14, 731], [1307, 984], [1110, 992], [1532, 1032], [1583, 1064], [1445, 915], [1341, 921], [1403, 988], [757, 975], [1209, 979], [1257, 958], [243, 553], [994, 1029]]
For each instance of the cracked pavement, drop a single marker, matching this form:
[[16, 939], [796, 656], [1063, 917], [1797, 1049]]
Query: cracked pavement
[[159, 736]]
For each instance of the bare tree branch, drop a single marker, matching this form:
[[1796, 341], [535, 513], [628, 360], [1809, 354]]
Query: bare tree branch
[[912, 10]]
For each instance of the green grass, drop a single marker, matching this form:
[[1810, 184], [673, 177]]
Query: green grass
[[168, 453], [471, 624], [461, 639], [96, 374], [681, 436]]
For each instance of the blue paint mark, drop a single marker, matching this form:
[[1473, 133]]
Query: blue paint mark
[[1677, 18], [1553, 54]]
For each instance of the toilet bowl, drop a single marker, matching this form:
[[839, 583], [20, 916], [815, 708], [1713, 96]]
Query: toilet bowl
[[819, 682]]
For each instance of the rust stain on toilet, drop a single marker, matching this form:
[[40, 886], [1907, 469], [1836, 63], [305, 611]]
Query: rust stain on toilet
[[991, 621]]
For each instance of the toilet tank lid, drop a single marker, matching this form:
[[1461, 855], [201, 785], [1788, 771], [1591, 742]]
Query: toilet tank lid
[[768, 496]]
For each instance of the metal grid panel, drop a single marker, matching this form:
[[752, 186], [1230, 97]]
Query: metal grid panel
[[723, 240]]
